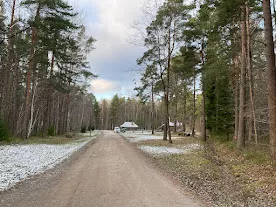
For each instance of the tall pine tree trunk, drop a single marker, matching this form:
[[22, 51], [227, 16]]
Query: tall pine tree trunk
[[30, 70], [184, 109], [175, 121], [165, 128], [16, 96], [168, 88], [8, 73], [241, 135], [167, 125], [194, 103], [152, 108], [51, 93], [236, 96], [250, 78], [271, 71], [203, 130]]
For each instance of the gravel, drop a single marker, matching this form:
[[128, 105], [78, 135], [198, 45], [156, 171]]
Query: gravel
[[18, 162]]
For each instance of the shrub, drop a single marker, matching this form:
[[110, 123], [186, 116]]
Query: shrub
[[51, 131], [91, 128], [69, 135], [83, 129], [4, 131]]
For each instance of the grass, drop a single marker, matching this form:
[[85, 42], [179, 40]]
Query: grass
[[231, 177], [52, 140]]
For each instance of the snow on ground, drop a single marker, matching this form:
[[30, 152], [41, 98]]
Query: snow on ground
[[17, 162], [160, 151], [137, 136], [140, 136]]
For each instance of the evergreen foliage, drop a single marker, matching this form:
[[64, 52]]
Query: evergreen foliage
[[51, 131], [83, 129], [4, 131]]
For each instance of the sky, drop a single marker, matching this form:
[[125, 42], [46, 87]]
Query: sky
[[114, 59]]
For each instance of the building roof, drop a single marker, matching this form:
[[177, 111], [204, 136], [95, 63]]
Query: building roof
[[129, 125], [171, 125]]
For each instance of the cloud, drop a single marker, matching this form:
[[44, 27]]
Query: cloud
[[102, 86], [113, 28], [109, 22]]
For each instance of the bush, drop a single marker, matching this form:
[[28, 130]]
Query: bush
[[4, 131], [69, 135], [83, 129], [91, 128], [51, 131]]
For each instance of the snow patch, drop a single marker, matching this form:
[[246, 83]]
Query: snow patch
[[17, 162], [137, 137], [161, 151]]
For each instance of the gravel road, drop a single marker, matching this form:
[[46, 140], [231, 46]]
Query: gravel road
[[109, 173]]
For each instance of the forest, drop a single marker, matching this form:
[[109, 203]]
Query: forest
[[213, 62], [208, 64], [44, 71]]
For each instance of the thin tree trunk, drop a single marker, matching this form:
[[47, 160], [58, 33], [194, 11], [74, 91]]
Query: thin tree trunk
[[67, 107], [168, 88], [175, 123], [241, 135], [271, 70], [60, 124], [8, 72], [194, 103], [50, 93], [152, 114], [236, 98], [16, 96], [185, 109], [30, 69], [31, 124], [203, 130], [82, 114], [250, 77], [165, 134]]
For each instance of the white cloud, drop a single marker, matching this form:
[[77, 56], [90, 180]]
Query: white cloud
[[102, 86], [113, 28], [109, 22]]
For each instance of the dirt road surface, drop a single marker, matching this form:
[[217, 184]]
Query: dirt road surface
[[109, 173]]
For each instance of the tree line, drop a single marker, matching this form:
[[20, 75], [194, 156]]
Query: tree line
[[43, 67], [222, 53], [114, 112]]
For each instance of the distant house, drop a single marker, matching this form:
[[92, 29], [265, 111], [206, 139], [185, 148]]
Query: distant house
[[163, 125], [129, 125], [171, 125]]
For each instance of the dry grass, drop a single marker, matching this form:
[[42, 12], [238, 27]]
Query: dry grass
[[54, 140], [222, 173], [253, 167]]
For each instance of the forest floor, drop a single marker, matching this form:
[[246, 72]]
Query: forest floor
[[217, 171], [24, 158]]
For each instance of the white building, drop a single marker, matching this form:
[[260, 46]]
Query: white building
[[129, 125]]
